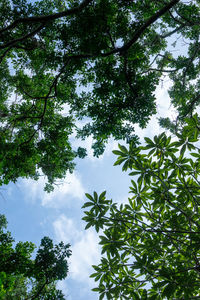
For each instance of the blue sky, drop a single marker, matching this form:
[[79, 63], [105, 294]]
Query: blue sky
[[32, 214]]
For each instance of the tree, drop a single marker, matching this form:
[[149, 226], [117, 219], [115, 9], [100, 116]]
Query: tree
[[102, 60], [22, 277], [150, 245]]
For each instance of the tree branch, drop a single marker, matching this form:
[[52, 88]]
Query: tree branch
[[141, 30], [172, 32], [39, 291], [13, 42], [45, 19], [135, 37], [150, 21]]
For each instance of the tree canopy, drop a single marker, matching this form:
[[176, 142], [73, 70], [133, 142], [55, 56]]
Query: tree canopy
[[150, 245], [101, 60], [22, 277]]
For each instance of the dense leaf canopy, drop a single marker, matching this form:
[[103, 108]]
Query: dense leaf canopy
[[150, 245], [22, 277], [99, 59]]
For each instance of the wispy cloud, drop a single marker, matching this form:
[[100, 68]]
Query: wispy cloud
[[84, 246]]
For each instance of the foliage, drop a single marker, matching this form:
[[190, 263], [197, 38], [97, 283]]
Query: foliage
[[150, 245], [100, 59], [22, 277]]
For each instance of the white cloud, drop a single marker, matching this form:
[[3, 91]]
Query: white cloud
[[33, 190], [84, 246], [85, 254], [65, 110], [65, 229], [70, 188], [164, 107]]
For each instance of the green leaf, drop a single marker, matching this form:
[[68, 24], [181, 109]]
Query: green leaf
[[89, 197], [149, 141], [183, 150], [87, 204], [117, 152], [123, 148], [89, 225], [195, 155], [169, 290]]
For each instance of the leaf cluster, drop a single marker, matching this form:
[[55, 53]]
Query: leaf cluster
[[150, 245], [23, 276]]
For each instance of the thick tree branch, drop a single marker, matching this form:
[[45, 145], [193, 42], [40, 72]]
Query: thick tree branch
[[48, 18], [141, 30], [136, 35], [149, 22], [13, 42], [45, 19]]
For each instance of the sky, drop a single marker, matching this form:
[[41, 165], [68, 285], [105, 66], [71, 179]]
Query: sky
[[33, 214]]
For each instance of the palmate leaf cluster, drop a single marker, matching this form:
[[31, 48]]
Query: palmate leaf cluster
[[101, 60], [150, 245], [22, 277]]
